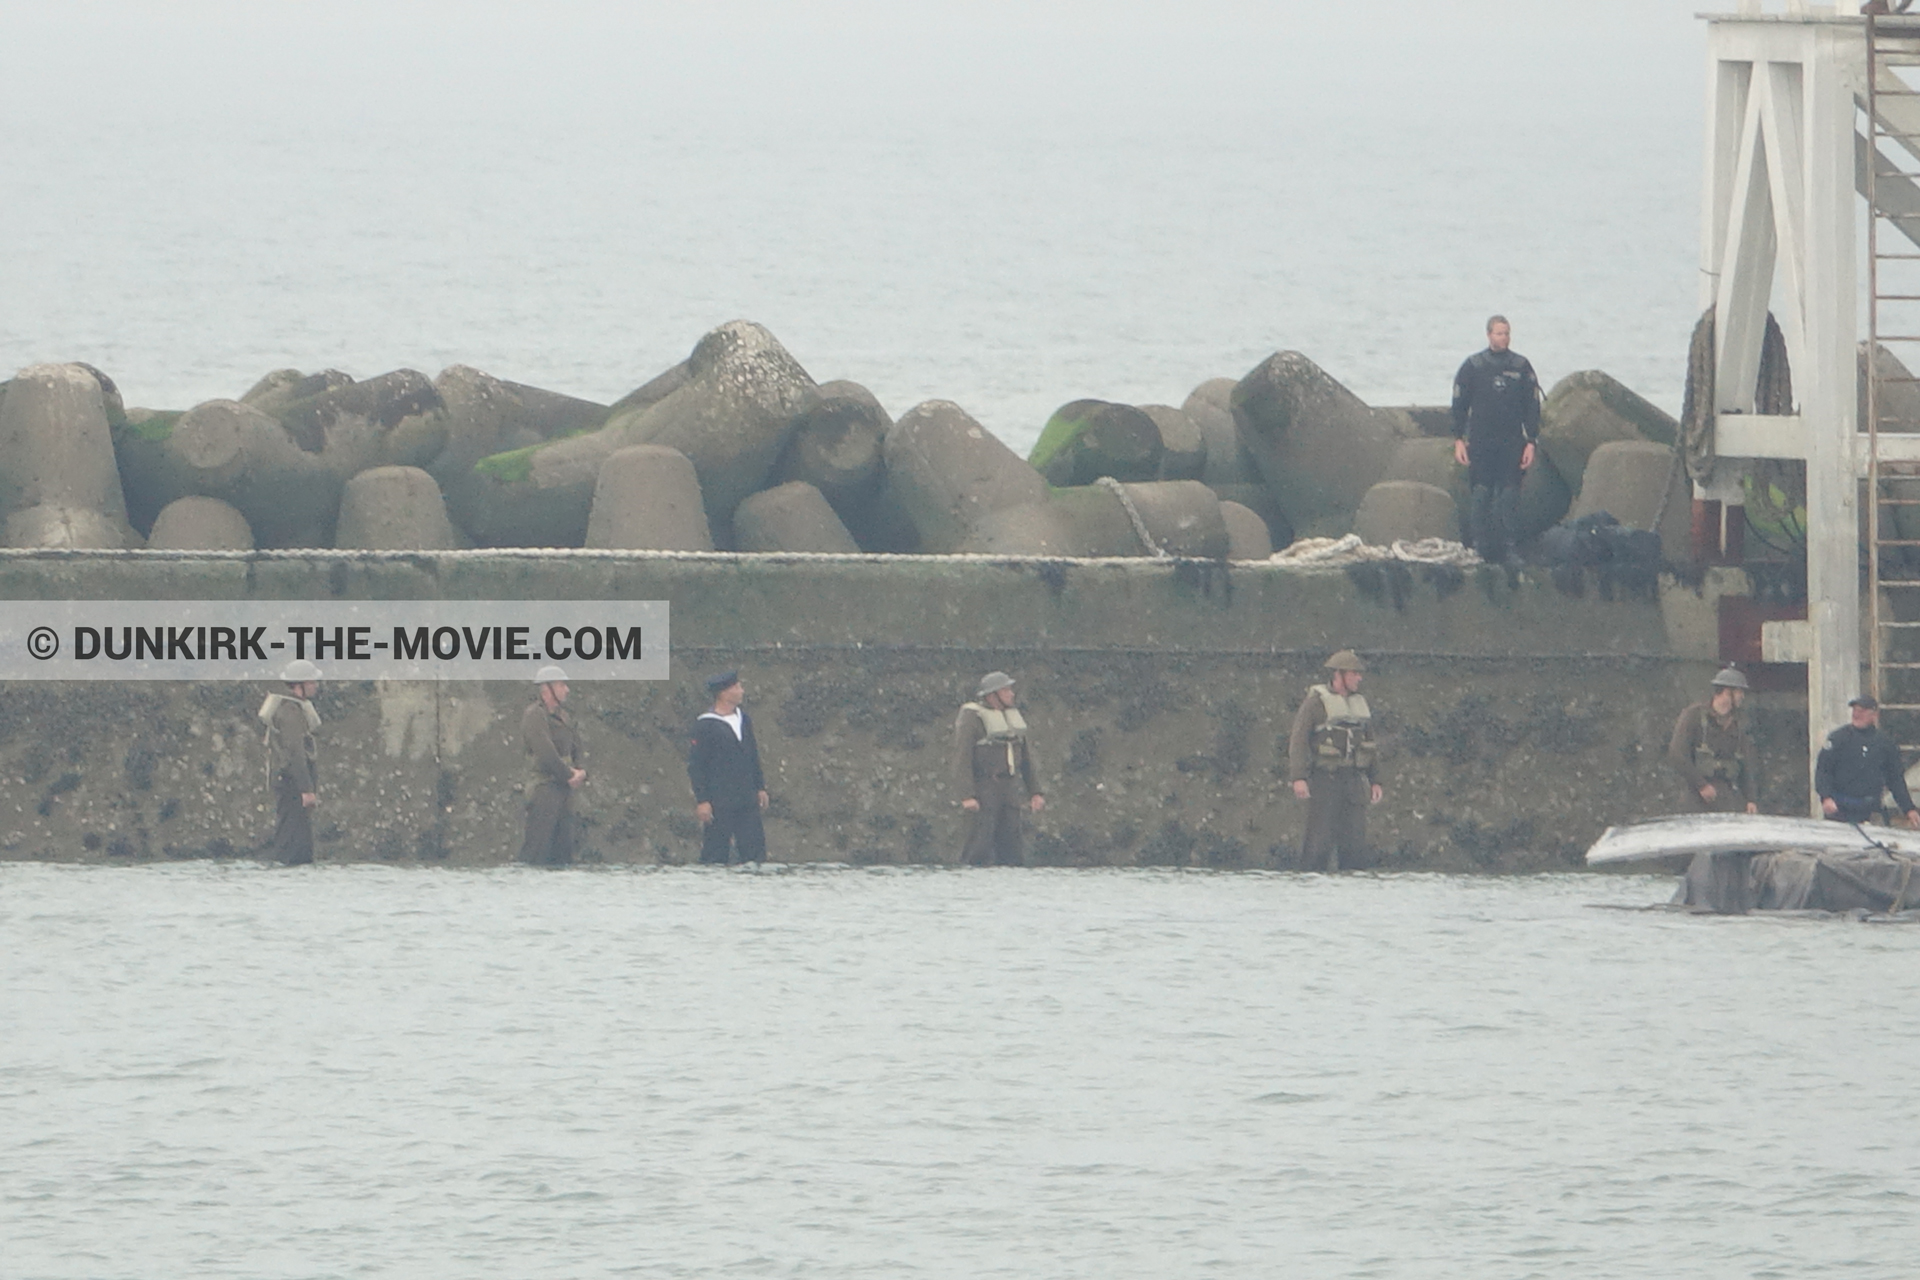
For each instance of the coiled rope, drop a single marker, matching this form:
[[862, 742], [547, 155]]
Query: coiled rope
[[1350, 549]]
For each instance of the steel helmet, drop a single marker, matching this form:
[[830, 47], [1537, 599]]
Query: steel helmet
[[549, 675], [993, 682], [1730, 678], [300, 671], [1345, 660]]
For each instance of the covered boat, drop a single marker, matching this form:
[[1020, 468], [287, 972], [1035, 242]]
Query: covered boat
[[1736, 862]]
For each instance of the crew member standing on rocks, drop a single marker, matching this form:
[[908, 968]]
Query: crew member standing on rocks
[[993, 774], [1712, 751], [729, 789], [558, 756], [1859, 762], [1330, 757], [1496, 422], [293, 761]]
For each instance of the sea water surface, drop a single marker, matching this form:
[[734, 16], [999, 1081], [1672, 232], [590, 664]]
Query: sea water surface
[[1007, 205], [234, 1071]]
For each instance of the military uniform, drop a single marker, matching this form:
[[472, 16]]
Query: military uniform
[[1331, 749], [293, 768], [1707, 750], [993, 764], [554, 745]]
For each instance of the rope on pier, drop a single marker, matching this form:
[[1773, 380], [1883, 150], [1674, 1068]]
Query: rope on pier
[[1350, 550], [1140, 530]]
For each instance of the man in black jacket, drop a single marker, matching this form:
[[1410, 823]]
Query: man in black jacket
[[729, 790], [1496, 423], [1857, 764]]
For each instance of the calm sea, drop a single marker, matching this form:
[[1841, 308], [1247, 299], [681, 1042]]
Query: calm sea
[[223, 1071], [1006, 205], [231, 1071]]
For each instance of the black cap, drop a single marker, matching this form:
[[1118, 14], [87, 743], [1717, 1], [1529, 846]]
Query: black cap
[[725, 680], [1865, 701]]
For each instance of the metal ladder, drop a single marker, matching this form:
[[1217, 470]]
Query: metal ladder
[[1892, 184]]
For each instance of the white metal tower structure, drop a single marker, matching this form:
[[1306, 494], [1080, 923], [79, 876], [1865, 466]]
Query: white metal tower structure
[[1794, 131]]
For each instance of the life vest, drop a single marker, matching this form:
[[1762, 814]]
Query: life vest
[[270, 708], [1345, 741], [1001, 727], [1728, 769]]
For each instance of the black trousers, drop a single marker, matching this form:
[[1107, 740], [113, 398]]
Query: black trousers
[[292, 823], [549, 838], [1493, 471], [1493, 520], [735, 834]]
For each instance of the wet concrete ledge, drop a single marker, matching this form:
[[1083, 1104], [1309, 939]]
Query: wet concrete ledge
[[1517, 721], [727, 600]]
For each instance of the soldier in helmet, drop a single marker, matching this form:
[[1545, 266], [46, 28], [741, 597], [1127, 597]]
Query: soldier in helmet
[[558, 757], [1711, 749], [1330, 757], [293, 761], [993, 774]]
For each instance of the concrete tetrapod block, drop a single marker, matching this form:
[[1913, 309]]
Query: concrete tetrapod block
[[654, 389], [282, 387], [1632, 480], [1411, 420], [1041, 528], [730, 417], [1544, 499], [1210, 405], [793, 516], [200, 524], [486, 415], [647, 498], [1247, 536], [945, 472], [1394, 510], [734, 415], [1588, 409], [1182, 516], [110, 399], [1087, 439], [836, 448], [393, 509], [1430, 461], [231, 451], [1319, 447], [396, 419], [56, 451], [1183, 445], [1258, 499], [66, 527]]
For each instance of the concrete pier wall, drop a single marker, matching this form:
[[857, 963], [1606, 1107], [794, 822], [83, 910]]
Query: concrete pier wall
[[1517, 720]]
